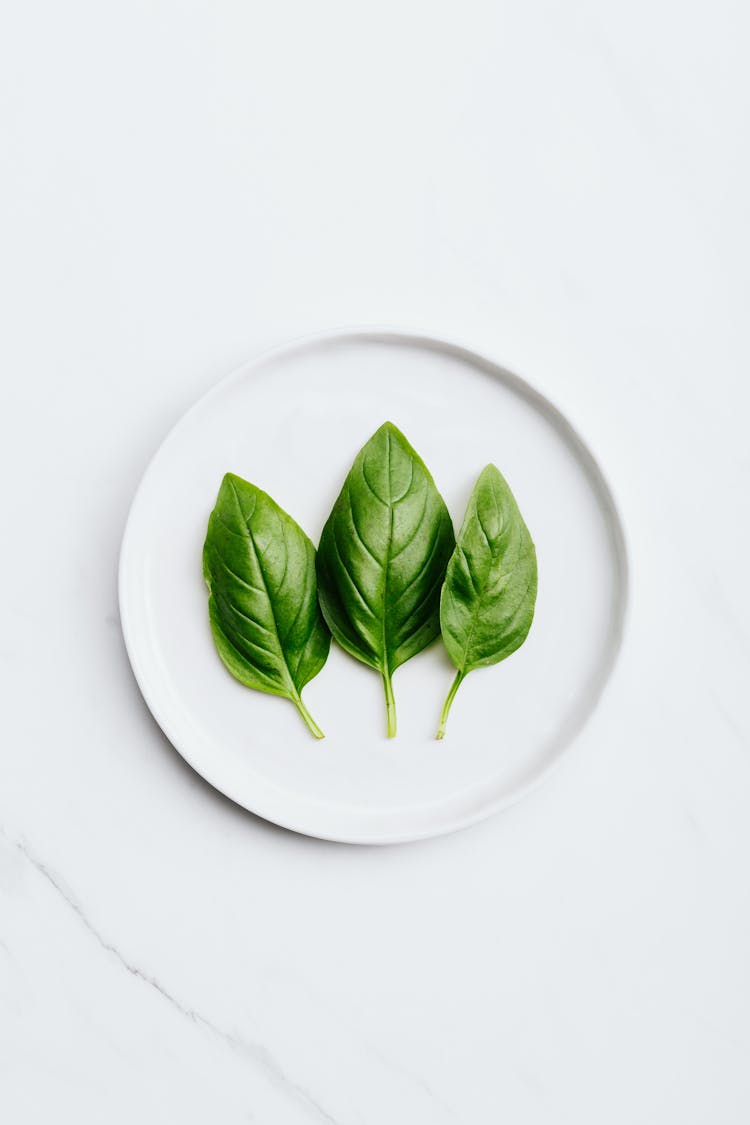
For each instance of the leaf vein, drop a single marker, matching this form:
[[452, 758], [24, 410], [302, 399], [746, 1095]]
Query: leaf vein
[[414, 534], [357, 532], [239, 578], [351, 578]]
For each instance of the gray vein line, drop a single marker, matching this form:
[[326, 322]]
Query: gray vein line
[[256, 1052], [410, 1076], [731, 722]]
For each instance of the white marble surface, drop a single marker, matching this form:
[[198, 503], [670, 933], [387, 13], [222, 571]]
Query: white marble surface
[[565, 185]]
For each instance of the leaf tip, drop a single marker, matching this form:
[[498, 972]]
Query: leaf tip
[[231, 480], [392, 429]]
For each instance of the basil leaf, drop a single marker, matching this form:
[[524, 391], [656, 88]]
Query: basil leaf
[[382, 558], [259, 567], [487, 601]]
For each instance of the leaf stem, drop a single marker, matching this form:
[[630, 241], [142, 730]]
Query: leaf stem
[[312, 726], [447, 705], [390, 704]]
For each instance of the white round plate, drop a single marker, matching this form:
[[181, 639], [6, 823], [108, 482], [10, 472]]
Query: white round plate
[[292, 422]]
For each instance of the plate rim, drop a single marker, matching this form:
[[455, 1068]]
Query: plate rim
[[529, 391]]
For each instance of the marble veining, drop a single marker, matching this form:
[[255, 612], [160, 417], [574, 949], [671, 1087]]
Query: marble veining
[[259, 1055]]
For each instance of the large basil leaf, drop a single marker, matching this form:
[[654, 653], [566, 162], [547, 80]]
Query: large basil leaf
[[487, 601], [382, 558], [260, 570]]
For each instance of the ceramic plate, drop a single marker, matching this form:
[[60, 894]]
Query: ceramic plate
[[292, 422]]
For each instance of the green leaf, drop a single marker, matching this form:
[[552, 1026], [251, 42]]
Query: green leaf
[[382, 558], [259, 567], [487, 601]]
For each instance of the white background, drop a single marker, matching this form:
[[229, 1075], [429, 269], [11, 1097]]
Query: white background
[[562, 184]]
